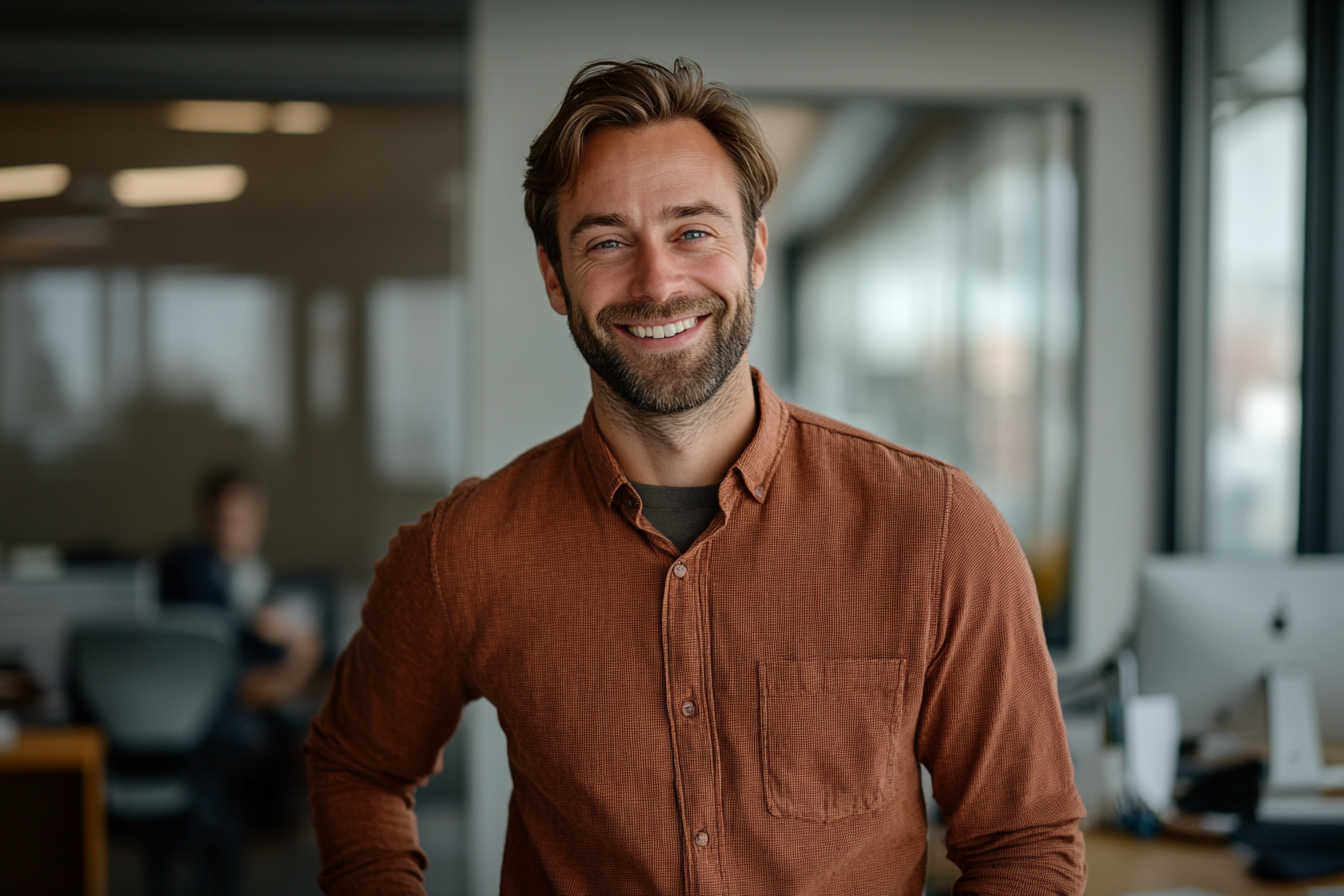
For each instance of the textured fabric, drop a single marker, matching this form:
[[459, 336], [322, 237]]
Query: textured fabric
[[746, 717], [680, 513]]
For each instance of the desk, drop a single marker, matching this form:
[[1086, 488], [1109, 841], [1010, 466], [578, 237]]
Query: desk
[[1120, 863], [42, 757]]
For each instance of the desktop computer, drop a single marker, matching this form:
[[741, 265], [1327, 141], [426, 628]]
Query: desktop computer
[[1254, 648]]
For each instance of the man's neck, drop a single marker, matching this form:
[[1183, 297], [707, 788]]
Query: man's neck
[[695, 447]]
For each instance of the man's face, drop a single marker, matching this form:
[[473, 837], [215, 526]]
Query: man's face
[[658, 278], [237, 522]]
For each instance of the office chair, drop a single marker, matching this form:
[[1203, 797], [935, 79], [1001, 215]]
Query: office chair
[[158, 687]]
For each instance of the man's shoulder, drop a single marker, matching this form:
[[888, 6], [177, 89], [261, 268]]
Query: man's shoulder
[[558, 451], [822, 435], [541, 463]]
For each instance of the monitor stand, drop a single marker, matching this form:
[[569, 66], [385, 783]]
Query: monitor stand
[[1299, 780]]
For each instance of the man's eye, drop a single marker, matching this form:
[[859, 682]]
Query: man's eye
[[608, 244], [694, 234]]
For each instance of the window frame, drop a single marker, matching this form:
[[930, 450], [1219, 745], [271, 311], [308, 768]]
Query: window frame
[[1185, 342]]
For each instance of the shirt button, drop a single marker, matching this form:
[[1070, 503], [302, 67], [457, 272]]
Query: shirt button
[[702, 839], [688, 708], [629, 502], [679, 570], [760, 491]]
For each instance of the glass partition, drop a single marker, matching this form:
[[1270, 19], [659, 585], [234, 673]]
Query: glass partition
[[270, 285]]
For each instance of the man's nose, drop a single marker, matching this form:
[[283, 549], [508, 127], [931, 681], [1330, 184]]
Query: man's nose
[[657, 276]]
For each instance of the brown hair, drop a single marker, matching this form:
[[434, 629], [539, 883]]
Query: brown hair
[[635, 94]]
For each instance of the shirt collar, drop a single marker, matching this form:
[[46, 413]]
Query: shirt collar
[[755, 467], [758, 463]]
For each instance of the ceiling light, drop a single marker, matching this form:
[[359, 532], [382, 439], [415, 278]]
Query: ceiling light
[[301, 118], [143, 187], [219, 117], [33, 181]]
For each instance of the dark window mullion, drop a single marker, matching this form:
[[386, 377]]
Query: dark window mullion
[[1321, 502]]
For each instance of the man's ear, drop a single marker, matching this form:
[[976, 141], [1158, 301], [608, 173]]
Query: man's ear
[[551, 277], [758, 257]]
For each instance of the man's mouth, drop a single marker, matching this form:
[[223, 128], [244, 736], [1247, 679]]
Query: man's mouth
[[661, 331]]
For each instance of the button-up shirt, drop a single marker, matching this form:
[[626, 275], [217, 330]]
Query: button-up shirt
[[747, 717]]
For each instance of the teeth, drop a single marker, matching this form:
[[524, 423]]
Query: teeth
[[662, 331]]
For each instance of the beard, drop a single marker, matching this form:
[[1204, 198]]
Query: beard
[[669, 382]]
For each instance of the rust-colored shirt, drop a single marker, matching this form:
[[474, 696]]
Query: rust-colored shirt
[[747, 717]]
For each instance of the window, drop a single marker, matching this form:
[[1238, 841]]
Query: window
[[1257, 155], [51, 331], [1240, 399], [416, 379], [223, 339]]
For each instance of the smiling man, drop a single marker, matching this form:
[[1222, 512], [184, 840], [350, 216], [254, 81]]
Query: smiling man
[[722, 633]]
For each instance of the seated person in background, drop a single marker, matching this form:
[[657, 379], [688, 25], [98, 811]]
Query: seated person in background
[[279, 638]]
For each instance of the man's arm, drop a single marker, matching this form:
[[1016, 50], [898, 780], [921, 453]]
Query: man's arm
[[991, 733], [396, 698], [294, 632]]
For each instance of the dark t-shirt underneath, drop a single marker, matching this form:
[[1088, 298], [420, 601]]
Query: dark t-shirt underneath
[[679, 512]]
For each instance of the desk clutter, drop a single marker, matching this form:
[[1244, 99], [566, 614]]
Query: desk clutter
[[1227, 789], [1215, 721]]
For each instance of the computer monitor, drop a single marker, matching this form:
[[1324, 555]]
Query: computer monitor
[[36, 614], [1209, 628]]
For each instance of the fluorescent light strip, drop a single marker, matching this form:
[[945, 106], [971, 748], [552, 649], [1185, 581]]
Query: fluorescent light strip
[[146, 187], [301, 118], [238, 117], [216, 117], [33, 181]]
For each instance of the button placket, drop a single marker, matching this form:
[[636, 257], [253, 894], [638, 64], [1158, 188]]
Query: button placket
[[695, 750]]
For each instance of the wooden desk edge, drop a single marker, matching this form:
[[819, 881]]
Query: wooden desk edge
[[80, 748], [1168, 862]]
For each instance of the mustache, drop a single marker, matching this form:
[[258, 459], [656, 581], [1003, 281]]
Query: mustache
[[641, 312]]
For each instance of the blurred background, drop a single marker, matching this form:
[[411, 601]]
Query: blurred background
[[1084, 251]]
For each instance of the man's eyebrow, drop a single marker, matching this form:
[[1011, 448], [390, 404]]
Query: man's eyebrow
[[609, 220], [694, 211]]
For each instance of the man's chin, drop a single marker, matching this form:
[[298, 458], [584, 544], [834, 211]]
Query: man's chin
[[662, 392]]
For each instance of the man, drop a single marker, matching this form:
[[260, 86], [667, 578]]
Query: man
[[722, 633], [246, 772], [224, 568]]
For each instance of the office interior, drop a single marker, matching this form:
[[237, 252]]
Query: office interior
[[1086, 251]]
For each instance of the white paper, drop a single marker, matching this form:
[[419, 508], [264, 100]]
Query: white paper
[[1152, 746]]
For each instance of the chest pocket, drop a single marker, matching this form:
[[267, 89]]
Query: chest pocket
[[827, 735]]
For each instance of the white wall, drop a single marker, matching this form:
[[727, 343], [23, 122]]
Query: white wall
[[529, 383]]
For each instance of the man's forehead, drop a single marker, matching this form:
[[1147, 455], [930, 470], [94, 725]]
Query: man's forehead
[[676, 165]]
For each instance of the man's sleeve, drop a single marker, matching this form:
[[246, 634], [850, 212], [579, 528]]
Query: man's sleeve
[[396, 698], [991, 733]]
